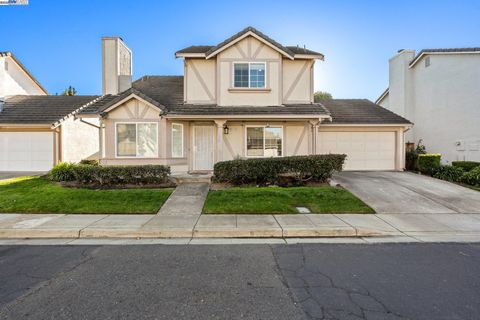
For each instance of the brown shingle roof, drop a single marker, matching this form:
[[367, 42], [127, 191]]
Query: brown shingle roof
[[290, 50], [360, 111], [24, 109]]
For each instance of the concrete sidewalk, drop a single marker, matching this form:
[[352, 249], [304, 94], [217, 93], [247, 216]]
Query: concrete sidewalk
[[388, 227]]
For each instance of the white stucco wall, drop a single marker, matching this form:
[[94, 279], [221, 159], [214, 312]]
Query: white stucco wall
[[443, 102], [79, 140], [14, 81]]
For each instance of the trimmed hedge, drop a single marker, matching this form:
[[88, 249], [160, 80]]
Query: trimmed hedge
[[111, 175], [429, 163], [466, 165], [449, 173], [472, 177], [268, 171]]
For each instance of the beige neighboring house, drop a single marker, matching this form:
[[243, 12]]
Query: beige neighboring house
[[246, 97], [38, 130], [439, 91]]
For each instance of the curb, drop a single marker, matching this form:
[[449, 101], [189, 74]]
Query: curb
[[90, 233]]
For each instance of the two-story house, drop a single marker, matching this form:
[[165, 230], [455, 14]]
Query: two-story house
[[248, 96], [439, 91]]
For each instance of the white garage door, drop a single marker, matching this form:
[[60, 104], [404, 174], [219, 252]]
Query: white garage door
[[364, 150], [26, 151]]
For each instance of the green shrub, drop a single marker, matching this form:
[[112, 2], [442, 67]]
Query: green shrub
[[449, 173], [265, 171], [466, 165], [113, 175], [429, 163], [472, 177], [91, 162], [63, 171], [110, 175]]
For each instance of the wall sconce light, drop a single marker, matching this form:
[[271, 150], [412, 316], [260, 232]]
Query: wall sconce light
[[226, 129]]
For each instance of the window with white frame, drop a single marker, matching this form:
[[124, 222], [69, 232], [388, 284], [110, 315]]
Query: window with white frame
[[264, 141], [249, 75], [177, 140], [137, 139]]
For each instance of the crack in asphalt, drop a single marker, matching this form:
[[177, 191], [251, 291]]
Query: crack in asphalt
[[318, 294]]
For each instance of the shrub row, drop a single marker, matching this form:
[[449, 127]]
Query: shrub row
[[460, 171], [110, 175], [466, 165], [266, 171]]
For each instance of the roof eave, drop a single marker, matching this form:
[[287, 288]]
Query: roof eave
[[189, 55]]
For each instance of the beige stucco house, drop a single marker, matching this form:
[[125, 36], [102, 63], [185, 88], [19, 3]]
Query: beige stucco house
[[439, 91], [248, 96]]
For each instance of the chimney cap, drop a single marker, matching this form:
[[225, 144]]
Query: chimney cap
[[400, 50], [111, 38]]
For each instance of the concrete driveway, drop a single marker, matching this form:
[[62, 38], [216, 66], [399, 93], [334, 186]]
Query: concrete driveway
[[12, 174], [405, 192]]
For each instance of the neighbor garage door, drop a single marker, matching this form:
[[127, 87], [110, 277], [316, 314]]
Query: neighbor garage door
[[26, 151], [364, 150]]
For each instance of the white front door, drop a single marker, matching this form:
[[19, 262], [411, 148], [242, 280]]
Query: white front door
[[203, 157]]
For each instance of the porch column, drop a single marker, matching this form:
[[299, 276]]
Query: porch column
[[314, 136], [219, 141]]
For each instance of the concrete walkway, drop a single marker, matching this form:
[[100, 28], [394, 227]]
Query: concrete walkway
[[406, 192], [186, 200], [385, 227]]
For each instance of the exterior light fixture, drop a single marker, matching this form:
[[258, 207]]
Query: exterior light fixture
[[226, 129]]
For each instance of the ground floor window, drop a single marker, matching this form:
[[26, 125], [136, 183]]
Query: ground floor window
[[137, 139], [177, 140], [264, 141]]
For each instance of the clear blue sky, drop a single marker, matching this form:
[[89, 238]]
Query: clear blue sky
[[59, 41]]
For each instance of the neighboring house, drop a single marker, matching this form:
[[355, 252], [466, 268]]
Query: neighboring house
[[246, 97], [16, 79], [439, 91], [36, 130]]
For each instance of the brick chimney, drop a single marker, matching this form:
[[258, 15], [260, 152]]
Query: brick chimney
[[116, 65]]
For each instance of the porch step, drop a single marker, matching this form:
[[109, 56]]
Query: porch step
[[182, 178]]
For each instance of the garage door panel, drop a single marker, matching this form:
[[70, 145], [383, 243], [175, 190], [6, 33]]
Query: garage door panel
[[26, 151], [364, 150]]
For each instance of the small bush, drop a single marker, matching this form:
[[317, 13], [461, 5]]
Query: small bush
[[449, 173], [265, 171], [429, 163], [62, 172], [466, 165], [89, 162], [472, 177]]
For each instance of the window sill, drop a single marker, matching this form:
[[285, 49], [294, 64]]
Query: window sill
[[249, 90]]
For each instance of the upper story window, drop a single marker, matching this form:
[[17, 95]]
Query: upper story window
[[249, 75]]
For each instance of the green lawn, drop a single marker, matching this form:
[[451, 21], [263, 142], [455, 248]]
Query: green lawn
[[39, 195], [284, 200]]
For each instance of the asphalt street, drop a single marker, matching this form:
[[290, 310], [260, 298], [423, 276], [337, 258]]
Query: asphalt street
[[304, 281]]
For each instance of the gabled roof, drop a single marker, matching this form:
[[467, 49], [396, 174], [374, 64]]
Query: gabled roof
[[9, 54], [210, 51], [424, 52], [33, 109], [360, 111]]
